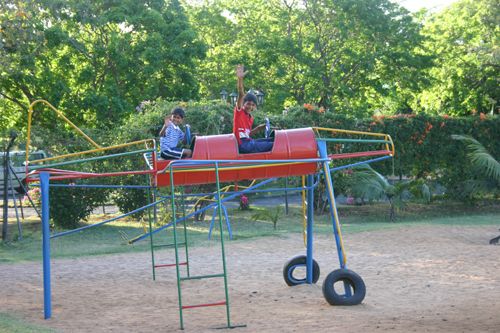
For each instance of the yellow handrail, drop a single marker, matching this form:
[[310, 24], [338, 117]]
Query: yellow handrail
[[30, 113], [347, 131], [387, 137], [95, 150], [59, 113]]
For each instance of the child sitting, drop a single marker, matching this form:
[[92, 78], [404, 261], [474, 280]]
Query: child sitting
[[243, 120], [171, 134]]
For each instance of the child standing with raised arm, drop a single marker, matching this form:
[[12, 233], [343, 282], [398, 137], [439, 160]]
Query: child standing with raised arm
[[171, 134], [243, 120]]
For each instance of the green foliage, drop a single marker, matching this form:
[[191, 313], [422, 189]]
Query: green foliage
[[204, 117], [69, 206], [95, 59], [484, 176], [425, 148], [480, 158], [272, 215], [464, 40], [420, 190], [337, 54], [128, 200], [14, 324], [365, 183]]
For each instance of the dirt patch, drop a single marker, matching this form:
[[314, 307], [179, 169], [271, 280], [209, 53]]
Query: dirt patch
[[419, 279]]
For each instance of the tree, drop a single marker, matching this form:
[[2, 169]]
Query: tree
[[25, 65], [465, 41], [97, 60], [344, 55]]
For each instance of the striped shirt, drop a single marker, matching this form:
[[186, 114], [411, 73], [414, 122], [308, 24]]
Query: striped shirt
[[173, 134]]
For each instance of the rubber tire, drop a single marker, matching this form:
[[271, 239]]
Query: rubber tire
[[347, 276], [293, 263]]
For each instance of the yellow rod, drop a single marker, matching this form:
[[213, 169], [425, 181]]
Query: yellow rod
[[346, 131], [224, 190], [392, 145], [30, 114], [93, 151], [328, 182]]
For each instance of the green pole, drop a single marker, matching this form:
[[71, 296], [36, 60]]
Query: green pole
[[219, 204], [174, 224], [185, 231], [151, 230]]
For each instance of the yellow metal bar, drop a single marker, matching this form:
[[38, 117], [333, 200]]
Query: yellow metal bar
[[388, 137], [223, 190], [30, 114], [346, 131], [122, 145], [328, 182]]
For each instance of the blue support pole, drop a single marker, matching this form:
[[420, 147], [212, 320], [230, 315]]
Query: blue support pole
[[309, 229], [212, 222], [228, 223], [44, 187]]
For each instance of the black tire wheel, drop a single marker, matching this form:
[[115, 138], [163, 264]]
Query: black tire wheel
[[344, 287], [292, 264]]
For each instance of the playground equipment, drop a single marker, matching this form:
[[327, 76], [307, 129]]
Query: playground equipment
[[296, 152], [11, 185]]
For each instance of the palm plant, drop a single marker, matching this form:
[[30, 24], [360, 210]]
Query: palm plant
[[485, 172], [366, 183], [272, 215]]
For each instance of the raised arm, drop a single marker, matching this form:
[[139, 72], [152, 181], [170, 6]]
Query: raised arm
[[240, 74], [165, 125]]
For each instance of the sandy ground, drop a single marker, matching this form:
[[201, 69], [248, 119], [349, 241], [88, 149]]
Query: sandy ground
[[419, 279]]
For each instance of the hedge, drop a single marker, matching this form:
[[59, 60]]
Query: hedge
[[424, 146]]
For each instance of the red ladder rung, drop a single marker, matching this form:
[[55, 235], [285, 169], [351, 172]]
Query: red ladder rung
[[203, 305]]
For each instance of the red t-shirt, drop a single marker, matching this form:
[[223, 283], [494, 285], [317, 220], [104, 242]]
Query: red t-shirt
[[242, 124]]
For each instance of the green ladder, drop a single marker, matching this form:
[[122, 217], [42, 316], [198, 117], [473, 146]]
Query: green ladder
[[152, 198], [223, 275]]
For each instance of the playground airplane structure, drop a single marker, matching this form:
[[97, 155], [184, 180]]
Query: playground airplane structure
[[215, 160]]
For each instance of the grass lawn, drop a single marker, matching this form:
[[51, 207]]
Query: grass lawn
[[12, 324], [112, 237]]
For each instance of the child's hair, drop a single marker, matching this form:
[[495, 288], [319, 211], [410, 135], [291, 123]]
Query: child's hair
[[178, 111], [250, 97]]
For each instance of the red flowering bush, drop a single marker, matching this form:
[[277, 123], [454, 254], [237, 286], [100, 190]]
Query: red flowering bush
[[34, 194], [244, 202], [313, 108]]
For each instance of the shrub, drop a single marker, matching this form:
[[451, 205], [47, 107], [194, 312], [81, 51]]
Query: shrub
[[68, 206]]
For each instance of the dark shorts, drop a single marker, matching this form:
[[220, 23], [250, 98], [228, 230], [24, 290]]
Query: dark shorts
[[171, 153]]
